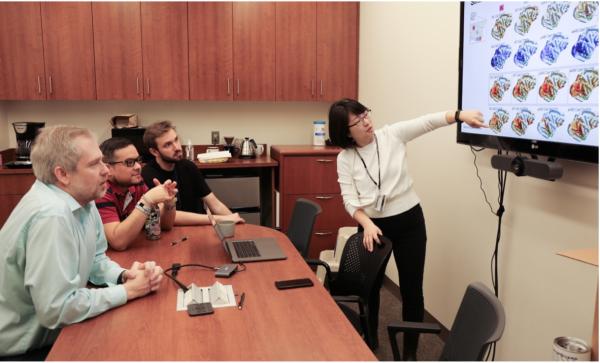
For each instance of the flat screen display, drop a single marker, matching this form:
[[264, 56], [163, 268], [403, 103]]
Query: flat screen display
[[532, 70]]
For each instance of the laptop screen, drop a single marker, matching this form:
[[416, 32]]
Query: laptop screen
[[212, 221]]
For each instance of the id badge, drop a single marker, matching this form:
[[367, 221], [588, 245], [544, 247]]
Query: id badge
[[380, 203]]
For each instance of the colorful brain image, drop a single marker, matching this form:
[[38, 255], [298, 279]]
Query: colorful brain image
[[556, 44], [525, 51], [553, 14], [582, 124], [500, 86], [584, 84], [500, 26], [522, 120], [551, 84], [526, 18], [500, 56], [585, 45], [499, 118], [551, 120], [524, 84], [584, 11]]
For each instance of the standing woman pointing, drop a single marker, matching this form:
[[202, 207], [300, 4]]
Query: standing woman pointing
[[378, 194]]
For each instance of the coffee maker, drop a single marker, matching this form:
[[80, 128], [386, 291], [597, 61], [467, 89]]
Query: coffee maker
[[25, 133]]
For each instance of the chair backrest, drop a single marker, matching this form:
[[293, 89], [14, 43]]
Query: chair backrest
[[301, 224], [478, 323], [359, 268]]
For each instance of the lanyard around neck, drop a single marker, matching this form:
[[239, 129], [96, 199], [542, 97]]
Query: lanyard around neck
[[378, 185]]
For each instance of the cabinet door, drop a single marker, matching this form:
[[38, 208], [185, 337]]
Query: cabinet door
[[296, 51], [211, 50], [21, 52], [254, 50], [337, 50], [118, 50], [69, 50], [165, 50]]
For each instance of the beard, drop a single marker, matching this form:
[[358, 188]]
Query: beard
[[171, 160]]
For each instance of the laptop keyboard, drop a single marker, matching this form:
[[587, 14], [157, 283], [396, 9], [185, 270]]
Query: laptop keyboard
[[245, 249]]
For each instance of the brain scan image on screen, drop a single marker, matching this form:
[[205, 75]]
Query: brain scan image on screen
[[500, 85], [584, 84], [551, 84], [551, 120], [582, 124], [554, 46], [500, 56], [498, 119], [585, 45], [554, 12], [584, 11], [524, 84], [502, 23], [522, 120], [525, 51], [526, 18]]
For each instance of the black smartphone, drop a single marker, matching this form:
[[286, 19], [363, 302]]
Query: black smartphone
[[200, 309], [292, 284]]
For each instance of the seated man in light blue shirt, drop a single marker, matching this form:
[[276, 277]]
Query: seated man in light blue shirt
[[53, 244]]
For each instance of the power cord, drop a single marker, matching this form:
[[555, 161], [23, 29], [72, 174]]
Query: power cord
[[174, 270], [502, 177]]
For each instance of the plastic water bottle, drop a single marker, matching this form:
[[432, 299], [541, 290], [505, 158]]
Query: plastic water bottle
[[319, 133], [189, 151], [152, 224]]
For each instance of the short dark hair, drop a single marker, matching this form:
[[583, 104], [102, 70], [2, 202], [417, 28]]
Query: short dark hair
[[109, 146], [155, 131], [338, 121]]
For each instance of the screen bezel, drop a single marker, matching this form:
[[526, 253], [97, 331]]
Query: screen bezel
[[584, 153]]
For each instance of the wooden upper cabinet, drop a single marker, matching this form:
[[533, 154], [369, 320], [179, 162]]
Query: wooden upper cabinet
[[337, 50], [296, 51], [165, 50], [210, 34], [254, 51], [118, 50], [21, 52], [68, 50]]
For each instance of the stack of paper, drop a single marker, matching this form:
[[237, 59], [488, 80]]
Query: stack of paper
[[206, 157], [218, 295]]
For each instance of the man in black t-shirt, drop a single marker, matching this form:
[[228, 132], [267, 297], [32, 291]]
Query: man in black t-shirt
[[163, 143]]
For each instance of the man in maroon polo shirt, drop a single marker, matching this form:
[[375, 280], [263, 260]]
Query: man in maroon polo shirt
[[128, 202]]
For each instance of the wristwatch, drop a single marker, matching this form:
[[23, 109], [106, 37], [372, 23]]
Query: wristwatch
[[142, 207], [457, 115], [121, 279]]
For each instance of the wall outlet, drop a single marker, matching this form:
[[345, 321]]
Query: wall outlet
[[215, 137]]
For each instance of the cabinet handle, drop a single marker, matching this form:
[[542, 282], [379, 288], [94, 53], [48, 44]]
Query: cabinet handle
[[238, 87], [39, 85], [228, 87], [323, 233], [50, 84], [324, 197], [321, 87], [324, 160], [148, 86], [312, 87], [137, 85]]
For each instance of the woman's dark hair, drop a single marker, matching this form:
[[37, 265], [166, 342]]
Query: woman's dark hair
[[338, 121]]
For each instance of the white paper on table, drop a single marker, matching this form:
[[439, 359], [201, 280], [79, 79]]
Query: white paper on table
[[219, 295]]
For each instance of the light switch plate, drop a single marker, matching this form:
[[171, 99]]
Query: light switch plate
[[215, 137]]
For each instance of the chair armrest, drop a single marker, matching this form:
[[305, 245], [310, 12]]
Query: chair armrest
[[413, 327], [349, 298], [316, 262]]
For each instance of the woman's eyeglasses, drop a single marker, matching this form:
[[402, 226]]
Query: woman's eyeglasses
[[127, 162], [361, 118]]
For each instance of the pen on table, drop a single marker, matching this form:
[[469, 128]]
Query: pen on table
[[184, 238], [241, 303]]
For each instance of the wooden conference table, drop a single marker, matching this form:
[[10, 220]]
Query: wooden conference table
[[297, 324]]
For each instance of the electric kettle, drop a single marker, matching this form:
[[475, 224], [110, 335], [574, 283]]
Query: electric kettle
[[248, 148]]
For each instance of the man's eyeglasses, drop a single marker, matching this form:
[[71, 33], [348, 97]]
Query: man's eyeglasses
[[361, 118], [127, 162]]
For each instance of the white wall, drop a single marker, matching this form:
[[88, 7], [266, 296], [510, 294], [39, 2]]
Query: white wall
[[266, 122], [3, 127], [409, 66]]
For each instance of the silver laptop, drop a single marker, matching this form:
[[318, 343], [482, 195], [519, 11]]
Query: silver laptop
[[248, 250]]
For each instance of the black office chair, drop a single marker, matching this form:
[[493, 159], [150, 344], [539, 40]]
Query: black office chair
[[478, 323], [301, 224], [356, 280]]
